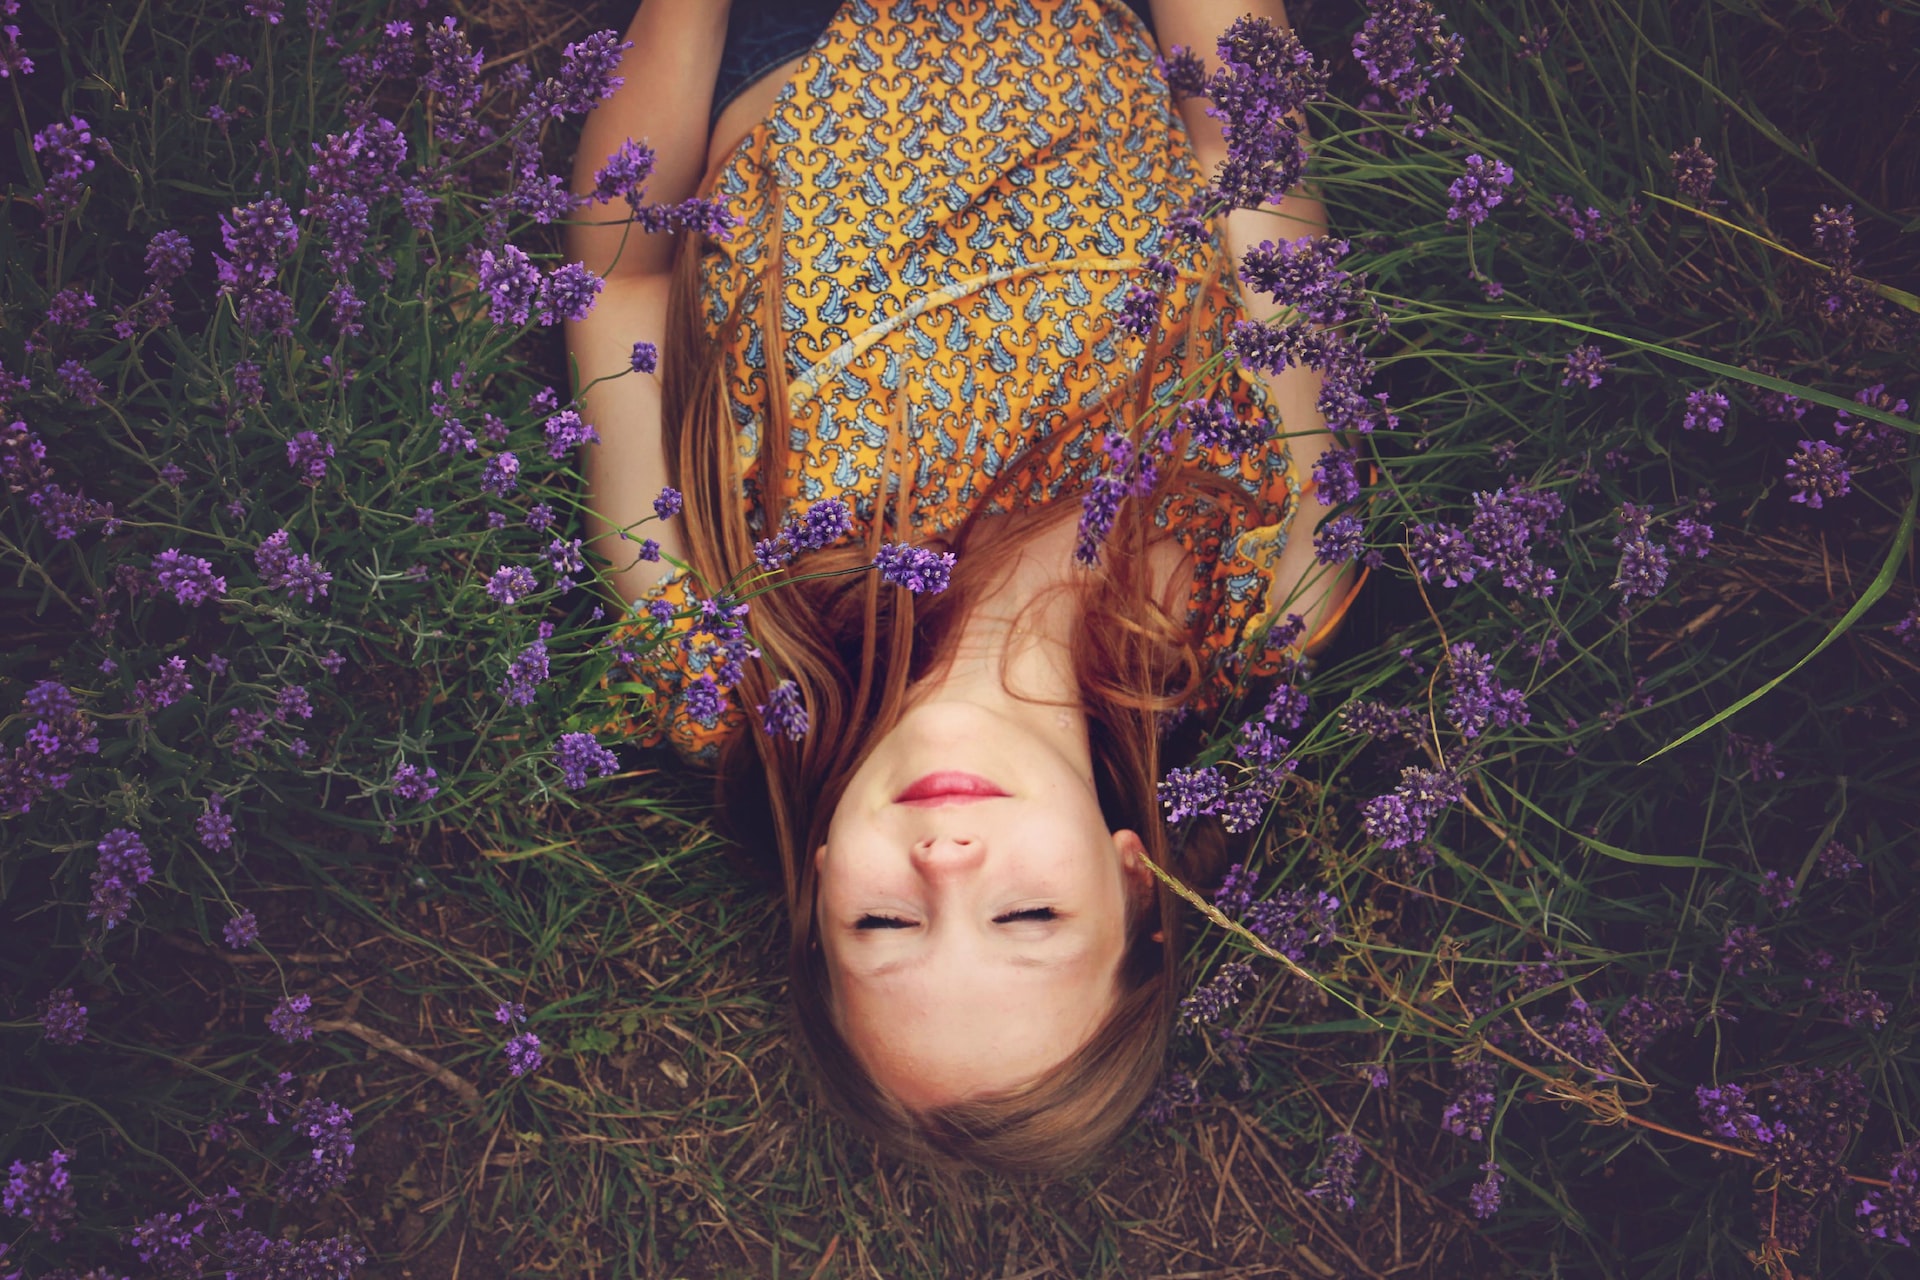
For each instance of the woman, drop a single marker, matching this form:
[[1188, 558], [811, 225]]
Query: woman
[[941, 207]]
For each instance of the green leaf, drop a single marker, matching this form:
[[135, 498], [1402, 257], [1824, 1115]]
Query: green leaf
[[1902, 540], [1827, 398]]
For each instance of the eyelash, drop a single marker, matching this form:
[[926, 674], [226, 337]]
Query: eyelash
[[894, 922]]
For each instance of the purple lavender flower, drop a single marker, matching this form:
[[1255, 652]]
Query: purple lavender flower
[[1643, 562], [1706, 410], [784, 713], [291, 1019], [298, 573], [566, 557], [1693, 171], [1691, 538], [63, 1019], [123, 866], [13, 62], [1478, 701], [512, 285], [62, 148], [1379, 721], [523, 1054], [1334, 479], [1266, 77], [1305, 274], [249, 729], [1895, 1212], [411, 784], [540, 518], [565, 430], [328, 1128], [1212, 1000], [257, 236], [1442, 551], [667, 504], [291, 701], [1192, 792], [1837, 861], [1584, 364], [1404, 816], [577, 754], [1176, 1089], [41, 1192], [918, 569], [307, 454], [1833, 235], [1588, 227], [453, 77], [585, 77], [1484, 1199], [1469, 1112], [1339, 540], [646, 357], [169, 255], [1387, 47], [1338, 1168], [525, 675], [1214, 425], [250, 1254], [1476, 193], [80, 382], [569, 293], [624, 174], [70, 307], [1817, 472], [510, 1013], [1099, 507], [704, 701], [1744, 948], [511, 583], [166, 688], [242, 931], [247, 385], [501, 476]]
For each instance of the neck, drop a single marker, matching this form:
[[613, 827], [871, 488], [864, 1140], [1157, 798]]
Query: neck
[[1018, 640]]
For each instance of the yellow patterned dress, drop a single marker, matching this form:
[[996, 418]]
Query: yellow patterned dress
[[967, 190]]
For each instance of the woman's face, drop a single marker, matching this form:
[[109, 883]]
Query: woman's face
[[972, 941]]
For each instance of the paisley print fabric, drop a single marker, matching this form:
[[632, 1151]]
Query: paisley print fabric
[[967, 189]]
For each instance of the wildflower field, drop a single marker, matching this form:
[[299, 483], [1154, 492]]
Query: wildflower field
[[1571, 927]]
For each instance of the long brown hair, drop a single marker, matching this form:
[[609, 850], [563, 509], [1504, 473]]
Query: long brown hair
[[854, 645]]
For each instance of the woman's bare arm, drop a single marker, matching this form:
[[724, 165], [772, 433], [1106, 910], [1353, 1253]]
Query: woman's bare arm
[[665, 102], [1198, 25]]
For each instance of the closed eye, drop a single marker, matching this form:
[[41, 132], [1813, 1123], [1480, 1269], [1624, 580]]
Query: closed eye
[[894, 922]]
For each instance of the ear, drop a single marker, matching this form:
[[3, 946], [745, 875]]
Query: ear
[[1133, 864]]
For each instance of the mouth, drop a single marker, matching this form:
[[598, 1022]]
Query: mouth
[[948, 787]]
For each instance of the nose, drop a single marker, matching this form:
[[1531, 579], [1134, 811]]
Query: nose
[[948, 855]]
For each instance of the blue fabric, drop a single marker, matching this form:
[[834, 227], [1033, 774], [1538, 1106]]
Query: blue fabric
[[762, 34]]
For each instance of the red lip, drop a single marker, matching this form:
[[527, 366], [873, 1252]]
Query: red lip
[[948, 787]]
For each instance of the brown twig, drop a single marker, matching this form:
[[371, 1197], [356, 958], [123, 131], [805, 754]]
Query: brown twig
[[381, 1040]]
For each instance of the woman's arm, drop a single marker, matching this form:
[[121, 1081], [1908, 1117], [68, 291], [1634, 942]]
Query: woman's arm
[[665, 102], [1198, 25]]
